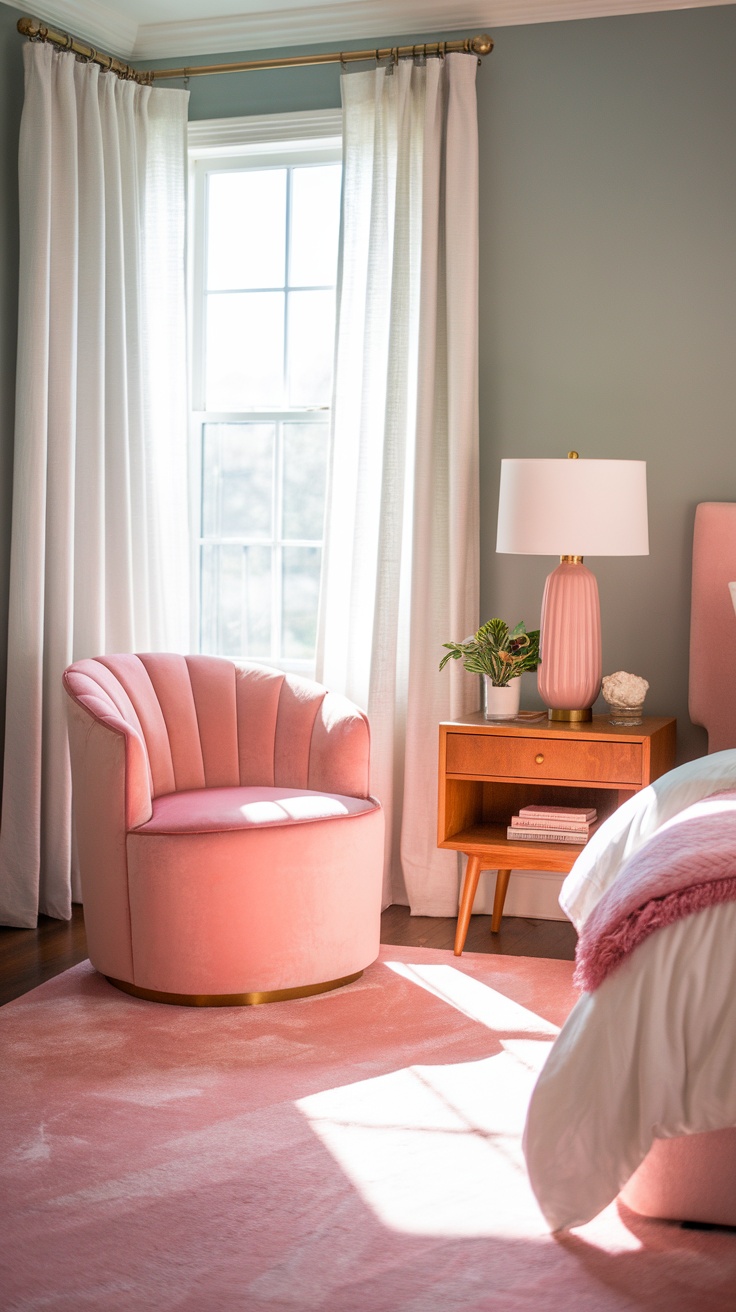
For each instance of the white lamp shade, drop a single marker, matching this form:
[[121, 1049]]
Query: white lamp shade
[[573, 508]]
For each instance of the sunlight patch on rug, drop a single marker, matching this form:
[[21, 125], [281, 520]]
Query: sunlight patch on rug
[[431, 1149], [474, 999]]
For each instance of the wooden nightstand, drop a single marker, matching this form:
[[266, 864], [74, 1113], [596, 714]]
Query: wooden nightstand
[[488, 770]]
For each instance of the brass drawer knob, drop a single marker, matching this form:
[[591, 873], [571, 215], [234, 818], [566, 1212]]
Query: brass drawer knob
[[539, 759]]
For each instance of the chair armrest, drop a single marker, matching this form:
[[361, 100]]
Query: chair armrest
[[110, 794], [339, 758], [90, 750]]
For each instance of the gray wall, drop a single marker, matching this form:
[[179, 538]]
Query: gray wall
[[608, 287], [608, 299]]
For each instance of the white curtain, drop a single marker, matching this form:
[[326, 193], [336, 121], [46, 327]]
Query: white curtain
[[99, 558], [402, 555]]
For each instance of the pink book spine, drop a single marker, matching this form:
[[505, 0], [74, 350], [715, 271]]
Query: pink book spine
[[528, 822], [546, 835]]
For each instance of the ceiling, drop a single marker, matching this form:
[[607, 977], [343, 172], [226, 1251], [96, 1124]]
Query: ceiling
[[158, 29]]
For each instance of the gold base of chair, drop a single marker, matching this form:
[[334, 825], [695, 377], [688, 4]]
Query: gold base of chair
[[231, 999]]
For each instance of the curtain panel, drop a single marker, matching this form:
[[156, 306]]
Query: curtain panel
[[401, 571], [99, 558]]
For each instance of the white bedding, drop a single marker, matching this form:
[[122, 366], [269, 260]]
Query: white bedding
[[652, 1052], [634, 822]]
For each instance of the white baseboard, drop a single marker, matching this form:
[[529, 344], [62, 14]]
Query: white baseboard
[[531, 893]]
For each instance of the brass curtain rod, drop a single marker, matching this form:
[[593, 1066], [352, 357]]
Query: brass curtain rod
[[474, 45], [36, 31]]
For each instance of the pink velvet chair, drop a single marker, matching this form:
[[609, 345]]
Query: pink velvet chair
[[229, 849]]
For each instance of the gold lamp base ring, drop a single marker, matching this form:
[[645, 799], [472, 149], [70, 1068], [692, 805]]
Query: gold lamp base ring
[[571, 717]]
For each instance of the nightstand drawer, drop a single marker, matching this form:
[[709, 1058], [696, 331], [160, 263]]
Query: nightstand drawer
[[577, 761]]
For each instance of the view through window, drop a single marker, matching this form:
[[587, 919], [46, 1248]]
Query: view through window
[[266, 236]]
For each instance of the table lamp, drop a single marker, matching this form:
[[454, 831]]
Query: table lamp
[[572, 508]]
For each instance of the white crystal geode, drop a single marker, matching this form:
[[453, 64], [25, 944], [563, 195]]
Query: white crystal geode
[[622, 689]]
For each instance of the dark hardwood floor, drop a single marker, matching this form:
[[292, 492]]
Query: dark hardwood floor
[[30, 956], [518, 937]]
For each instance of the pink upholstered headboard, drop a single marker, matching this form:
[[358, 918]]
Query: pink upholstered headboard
[[712, 701]]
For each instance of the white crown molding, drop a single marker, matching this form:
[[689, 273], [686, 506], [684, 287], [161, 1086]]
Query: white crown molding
[[103, 26], [366, 20], [341, 21], [218, 135], [361, 20]]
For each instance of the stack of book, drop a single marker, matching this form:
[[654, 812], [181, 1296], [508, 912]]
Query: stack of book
[[552, 824]]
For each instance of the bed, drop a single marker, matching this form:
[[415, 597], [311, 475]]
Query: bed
[[638, 1095]]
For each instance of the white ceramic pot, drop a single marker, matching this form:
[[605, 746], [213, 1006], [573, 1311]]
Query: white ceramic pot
[[501, 703]]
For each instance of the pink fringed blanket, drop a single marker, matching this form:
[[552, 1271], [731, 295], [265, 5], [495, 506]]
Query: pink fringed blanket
[[686, 866]]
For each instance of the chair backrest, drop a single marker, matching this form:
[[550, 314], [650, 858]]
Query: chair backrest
[[206, 723]]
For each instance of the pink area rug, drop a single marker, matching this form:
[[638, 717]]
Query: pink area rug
[[354, 1152]]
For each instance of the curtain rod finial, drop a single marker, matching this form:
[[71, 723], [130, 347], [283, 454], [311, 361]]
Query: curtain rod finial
[[482, 44], [29, 27]]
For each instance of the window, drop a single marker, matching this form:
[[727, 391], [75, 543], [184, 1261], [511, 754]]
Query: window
[[266, 213]]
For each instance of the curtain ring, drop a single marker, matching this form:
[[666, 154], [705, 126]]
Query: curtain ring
[[389, 61]]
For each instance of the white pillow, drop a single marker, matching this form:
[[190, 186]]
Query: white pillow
[[623, 833]]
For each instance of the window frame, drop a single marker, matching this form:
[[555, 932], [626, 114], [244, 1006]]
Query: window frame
[[276, 140]]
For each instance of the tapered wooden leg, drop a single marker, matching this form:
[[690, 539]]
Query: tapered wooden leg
[[472, 875], [502, 883]]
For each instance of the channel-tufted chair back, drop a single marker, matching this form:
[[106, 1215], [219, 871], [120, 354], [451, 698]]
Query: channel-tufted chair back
[[203, 722]]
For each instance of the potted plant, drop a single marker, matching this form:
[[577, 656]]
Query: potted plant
[[501, 655]]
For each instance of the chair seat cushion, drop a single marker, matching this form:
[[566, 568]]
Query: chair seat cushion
[[233, 907], [216, 810]]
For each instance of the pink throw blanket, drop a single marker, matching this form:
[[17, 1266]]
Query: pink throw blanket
[[688, 865]]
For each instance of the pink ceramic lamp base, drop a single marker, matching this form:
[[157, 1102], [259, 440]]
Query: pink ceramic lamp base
[[569, 676]]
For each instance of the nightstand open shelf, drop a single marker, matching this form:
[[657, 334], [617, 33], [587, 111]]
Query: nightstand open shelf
[[488, 771], [491, 838]]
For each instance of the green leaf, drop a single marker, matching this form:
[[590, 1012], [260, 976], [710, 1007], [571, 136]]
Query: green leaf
[[494, 650]]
